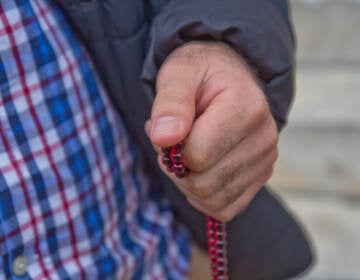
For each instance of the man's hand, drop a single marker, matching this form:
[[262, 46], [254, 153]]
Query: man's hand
[[207, 95]]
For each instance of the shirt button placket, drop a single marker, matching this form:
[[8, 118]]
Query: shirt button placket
[[20, 265]]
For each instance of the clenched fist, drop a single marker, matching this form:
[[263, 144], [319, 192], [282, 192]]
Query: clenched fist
[[207, 96]]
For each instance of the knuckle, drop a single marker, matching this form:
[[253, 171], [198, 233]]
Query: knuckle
[[260, 109], [273, 156], [273, 138]]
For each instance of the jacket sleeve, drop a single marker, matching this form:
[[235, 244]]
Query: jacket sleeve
[[259, 30]]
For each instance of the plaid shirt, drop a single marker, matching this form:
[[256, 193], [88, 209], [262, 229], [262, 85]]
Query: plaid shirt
[[74, 201]]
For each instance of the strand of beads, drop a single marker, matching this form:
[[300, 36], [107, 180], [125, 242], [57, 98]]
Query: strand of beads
[[216, 233]]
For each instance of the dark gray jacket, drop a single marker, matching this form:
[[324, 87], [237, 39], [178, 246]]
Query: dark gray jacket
[[129, 40]]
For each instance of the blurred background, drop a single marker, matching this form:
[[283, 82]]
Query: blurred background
[[318, 171]]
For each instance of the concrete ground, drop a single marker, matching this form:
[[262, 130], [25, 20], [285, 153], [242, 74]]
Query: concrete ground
[[318, 171]]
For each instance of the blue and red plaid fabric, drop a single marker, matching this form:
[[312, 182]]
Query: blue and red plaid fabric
[[74, 201]]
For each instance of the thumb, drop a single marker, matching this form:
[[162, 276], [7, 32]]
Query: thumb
[[174, 108]]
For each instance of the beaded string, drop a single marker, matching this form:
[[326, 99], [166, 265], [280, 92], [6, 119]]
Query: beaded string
[[172, 158]]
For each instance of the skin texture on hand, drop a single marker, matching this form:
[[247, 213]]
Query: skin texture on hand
[[207, 96]]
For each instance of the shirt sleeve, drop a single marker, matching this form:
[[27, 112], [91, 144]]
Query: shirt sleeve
[[259, 30]]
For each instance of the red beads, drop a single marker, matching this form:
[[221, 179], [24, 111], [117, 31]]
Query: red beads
[[173, 160], [216, 234]]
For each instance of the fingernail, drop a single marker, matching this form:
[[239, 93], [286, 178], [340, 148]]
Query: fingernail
[[164, 126]]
